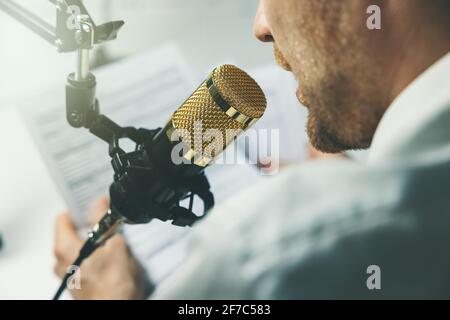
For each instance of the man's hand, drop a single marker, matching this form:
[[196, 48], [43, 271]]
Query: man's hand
[[111, 272]]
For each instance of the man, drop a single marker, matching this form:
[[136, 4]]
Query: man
[[331, 228]]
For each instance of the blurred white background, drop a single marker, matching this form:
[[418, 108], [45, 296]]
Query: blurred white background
[[209, 32]]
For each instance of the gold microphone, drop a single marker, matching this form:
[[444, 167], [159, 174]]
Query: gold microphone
[[170, 163], [228, 102]]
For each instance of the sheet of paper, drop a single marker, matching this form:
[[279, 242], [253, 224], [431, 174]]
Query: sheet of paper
[[141, 91]]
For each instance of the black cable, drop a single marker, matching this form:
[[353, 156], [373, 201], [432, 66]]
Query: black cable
[[63, 284], [87, 249]]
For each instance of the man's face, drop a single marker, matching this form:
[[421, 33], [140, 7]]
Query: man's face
[[334, 56]]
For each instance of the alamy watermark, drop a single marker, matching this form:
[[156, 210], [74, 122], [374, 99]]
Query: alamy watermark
[[374, 19], [259, 147], [374, 280], [74, 280]]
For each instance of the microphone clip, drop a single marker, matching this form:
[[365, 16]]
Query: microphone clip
[[144, 189]]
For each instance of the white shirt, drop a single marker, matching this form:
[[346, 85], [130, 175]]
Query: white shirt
[[313, 231]]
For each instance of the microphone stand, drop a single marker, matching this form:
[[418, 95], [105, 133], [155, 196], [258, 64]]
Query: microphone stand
[[141, 190]]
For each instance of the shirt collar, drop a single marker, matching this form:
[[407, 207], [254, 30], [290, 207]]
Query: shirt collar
[[417, 124]]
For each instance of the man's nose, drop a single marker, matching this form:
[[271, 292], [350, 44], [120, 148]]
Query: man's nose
[[260, 26]]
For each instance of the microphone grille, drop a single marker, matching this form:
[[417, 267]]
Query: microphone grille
[[228, 100], [240, 90]]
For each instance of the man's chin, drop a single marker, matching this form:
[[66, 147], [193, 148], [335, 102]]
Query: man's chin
[[322, 140]]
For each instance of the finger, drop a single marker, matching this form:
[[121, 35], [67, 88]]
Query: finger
[[116, 244], [60, 269], [67, 242], [99, 209]]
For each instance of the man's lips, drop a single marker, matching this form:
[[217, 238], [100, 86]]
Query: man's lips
[[283, 63]]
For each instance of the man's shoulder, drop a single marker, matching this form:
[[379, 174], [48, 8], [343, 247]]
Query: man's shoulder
[[314, 230], [308, 191], [308, 205]]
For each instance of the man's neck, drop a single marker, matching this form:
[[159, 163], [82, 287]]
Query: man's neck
[[421, 42]]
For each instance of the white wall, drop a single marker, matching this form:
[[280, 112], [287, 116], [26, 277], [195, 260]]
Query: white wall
[[208, 31]]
